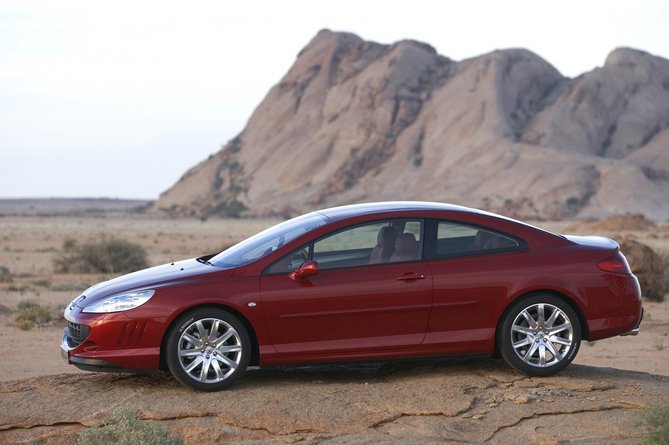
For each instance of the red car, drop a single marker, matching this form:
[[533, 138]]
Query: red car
[[361, 282]]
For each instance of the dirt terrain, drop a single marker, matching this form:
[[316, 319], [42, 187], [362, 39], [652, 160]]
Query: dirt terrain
[[434, 401], [439, 401]]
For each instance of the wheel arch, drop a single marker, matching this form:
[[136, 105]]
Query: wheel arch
[[585, 331], [255, 349]]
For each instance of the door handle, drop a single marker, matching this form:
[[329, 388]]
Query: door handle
[[411, 277]]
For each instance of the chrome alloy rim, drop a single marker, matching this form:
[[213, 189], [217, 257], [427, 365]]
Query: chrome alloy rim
[[209, 350], [542, 335]]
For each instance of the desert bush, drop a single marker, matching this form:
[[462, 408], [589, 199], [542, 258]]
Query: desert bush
[[665, 259], [231, 209], [656, 423], [5, 275], [123, 427], [648, 267], [108, 255], [31, 313]]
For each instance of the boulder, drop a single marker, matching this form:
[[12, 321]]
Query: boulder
[[648, 267]]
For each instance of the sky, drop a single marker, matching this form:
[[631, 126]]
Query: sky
[[119, 99]]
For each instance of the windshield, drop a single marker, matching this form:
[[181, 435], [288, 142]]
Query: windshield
[[268, 241]]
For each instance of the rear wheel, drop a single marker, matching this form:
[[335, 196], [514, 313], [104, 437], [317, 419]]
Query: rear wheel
[[540, 335], [208, 349]]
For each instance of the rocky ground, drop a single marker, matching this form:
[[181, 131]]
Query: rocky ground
[[437, 401]]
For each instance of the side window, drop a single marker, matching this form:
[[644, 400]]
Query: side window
[[376, 243], [291, 261], [453, 239]]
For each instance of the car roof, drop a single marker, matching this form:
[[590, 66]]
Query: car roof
[[343, 212], [348, 211]]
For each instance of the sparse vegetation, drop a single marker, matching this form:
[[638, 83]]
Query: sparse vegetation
[[591, 343], [234, 165], [5, 275], [658, 344], [123, 427], [218, 181], [656, 423], [665, 260], [42, 283], [232, 209], [108, 255], [69, 287], [235, 145], [30, 314], [572, 201]]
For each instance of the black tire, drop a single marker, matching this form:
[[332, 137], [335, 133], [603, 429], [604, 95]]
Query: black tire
[[521, 341], [215, 363]]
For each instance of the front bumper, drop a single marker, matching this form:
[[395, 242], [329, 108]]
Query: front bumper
[[111, 342]]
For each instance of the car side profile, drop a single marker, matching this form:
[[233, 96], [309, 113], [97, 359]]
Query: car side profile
[[361, 282]]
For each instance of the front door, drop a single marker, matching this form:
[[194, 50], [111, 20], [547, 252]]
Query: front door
[[352, 306]]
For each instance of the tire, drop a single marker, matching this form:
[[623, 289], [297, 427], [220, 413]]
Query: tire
[[215, 363], [526, 336]]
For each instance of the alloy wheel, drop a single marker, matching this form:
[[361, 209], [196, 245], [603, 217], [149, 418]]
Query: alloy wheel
[[209, 350], [542, 335]]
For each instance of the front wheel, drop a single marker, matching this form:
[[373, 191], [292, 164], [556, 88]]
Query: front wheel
[[540, 335], [208, 349]]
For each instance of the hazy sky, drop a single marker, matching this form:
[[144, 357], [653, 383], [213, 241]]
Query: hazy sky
[[119, 99]]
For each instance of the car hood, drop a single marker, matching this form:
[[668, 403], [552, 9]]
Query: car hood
[[167, 275]]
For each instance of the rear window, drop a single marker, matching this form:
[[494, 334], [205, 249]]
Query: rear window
[[451, 239]]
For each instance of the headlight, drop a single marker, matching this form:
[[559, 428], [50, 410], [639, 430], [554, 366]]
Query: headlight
[[124, 302]]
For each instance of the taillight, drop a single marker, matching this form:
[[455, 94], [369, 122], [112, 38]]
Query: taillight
[[615, 263]]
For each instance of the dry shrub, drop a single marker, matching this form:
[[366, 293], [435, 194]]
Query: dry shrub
[[30, 314], [656, 423], [108, 255], [648, 267], [5, 275], [617, 223], [123, 427], [665, 259]]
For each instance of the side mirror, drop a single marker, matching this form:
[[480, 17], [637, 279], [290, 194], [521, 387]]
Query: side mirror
[[305, 270]]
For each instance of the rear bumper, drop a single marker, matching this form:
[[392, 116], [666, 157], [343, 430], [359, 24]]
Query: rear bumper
[[634, 331]]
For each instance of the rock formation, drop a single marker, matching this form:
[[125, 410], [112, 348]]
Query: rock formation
[[648, 267], [454, 401], [356, 121]]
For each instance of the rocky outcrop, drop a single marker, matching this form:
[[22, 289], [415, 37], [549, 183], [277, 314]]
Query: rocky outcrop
[[437, 401], [648, 267], [357, 121], [450, 400]]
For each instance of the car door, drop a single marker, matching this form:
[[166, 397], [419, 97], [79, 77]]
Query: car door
[[473, 270], [351, 306]]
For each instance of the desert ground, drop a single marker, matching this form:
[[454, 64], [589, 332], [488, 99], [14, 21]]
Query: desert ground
[[462, 400]]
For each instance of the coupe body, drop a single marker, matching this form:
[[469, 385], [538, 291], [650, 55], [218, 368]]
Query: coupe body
[[361, 282]]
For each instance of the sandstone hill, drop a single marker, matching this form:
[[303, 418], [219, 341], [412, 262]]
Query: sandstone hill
[[451, 401], [356, 121]]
